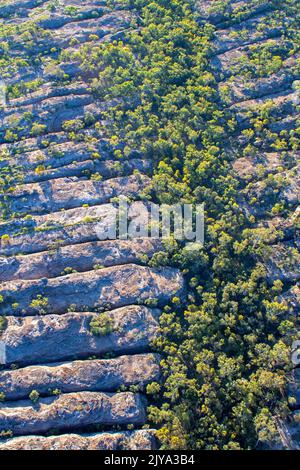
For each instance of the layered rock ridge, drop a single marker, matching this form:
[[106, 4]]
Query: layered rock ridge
[[78, 313]]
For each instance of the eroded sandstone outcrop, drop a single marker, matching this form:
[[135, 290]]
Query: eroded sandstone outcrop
[[62, 267], [116, 286], [47, 232], [67, 193], [105, 375], [135, 440], [282, 261], [72, 411], [81, 257], [50, 338], [88, 168]]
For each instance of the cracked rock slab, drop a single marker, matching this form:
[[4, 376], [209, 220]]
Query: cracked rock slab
[[68, 193], [72, 411], [136, 440], [105, 375], [51, 338], [81, 257], [117, 286]]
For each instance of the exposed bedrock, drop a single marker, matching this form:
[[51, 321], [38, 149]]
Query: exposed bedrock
[[258, 166], [9, 8], [247, 32], [291, 299], [51, 112], [242, 9], [260, 196], [107, 26], [237, 62], [51, 338], [107, 169], [73, 226], [47, 91], [116, 286], [31, 153], [72, 411], [79, 309], [243, 90], [67, 193], [284, 104], [78, 376], [282, 261], [135, 440], [81, 257]]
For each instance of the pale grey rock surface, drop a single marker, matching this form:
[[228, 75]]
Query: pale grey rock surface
[[135, 440], [49, 338], [69, 193], [105, 375], [116, 286], [81, 257], [72, 411], [73, 226]]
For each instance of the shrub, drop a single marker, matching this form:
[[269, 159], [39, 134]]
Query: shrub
[[102, 325], [38, 129], [40, 304], [5, 434], [153, 388], [34, 396], [73, 125]]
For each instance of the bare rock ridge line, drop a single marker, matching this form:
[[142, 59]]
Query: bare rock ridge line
[[50, 338], [256, 67], [73, 411], [80, 215], [65, 193], [73, 226], [34, 154], [33, 158], [107, 169], [90, 375], [82, 257], [128, 440], [116, 286], [78, 312]]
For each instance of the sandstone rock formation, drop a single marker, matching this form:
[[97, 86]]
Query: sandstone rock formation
[[67, 193], [136, 440], [105, 375], [82, 257], [72, 411], [49, 338], [79, 308], [117, 286]]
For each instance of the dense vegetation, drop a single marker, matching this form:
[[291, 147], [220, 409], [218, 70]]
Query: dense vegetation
[[226, 353]]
